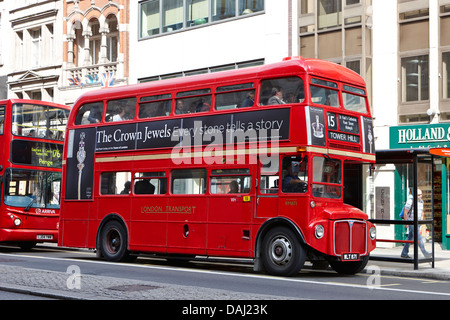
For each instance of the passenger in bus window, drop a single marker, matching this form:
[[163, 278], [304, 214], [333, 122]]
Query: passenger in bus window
[[126, 189], [249, 101], [180, 107], [234, 187], [276, 96], [144, 187], [95, 115], [120, 114], [202, 106]]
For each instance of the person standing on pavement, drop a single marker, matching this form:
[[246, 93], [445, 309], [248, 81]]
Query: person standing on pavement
[[409, 215]]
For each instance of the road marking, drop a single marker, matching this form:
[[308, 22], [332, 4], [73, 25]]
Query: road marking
[[231, 274]]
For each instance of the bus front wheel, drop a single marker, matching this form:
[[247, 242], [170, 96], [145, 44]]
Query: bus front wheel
[[113, 241], [282, 253]]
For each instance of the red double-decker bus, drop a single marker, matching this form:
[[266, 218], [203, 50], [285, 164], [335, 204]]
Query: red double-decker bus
[[243, 163], [31, 138]]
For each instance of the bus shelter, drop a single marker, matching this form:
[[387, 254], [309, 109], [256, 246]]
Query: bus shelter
[[397, 175]]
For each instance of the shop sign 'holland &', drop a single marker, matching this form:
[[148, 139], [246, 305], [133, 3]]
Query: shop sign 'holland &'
[[420, 136]]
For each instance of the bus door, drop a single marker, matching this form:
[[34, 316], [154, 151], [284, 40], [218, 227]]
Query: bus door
[[148, 226], [187, 211], [268, 187], [230, 212]]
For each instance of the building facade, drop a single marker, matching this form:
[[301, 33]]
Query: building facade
[[95, 47], [30, 59], [402, 50]]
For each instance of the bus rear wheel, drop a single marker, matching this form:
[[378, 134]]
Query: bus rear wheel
[[282, 253], [113, 241]]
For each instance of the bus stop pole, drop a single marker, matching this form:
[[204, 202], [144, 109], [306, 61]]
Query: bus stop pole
[[415, 217]]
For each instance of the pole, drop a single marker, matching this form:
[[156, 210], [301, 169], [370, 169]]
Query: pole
[[415, 217]]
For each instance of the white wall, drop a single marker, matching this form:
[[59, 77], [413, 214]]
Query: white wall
[[262, 36], [385, 69]]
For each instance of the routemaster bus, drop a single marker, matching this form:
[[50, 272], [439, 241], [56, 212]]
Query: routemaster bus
[[244, 164], [31, 138]]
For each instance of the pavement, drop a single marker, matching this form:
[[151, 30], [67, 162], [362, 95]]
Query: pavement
[[398, 266], [73, 286]]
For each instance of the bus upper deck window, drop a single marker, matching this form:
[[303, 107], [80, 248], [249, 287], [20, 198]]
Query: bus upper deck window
[[155, 106], [193, 101], [120, 110], [324, 92], [235, 96], [354, 99], [89, 113], [282, 91]]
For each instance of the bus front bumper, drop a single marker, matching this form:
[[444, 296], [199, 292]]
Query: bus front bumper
[[28, 235]]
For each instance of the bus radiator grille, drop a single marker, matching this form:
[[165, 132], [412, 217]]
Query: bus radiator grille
[[350, 237]]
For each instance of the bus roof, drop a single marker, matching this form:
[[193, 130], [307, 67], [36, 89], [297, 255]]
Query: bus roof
[[38, 102], [289, 66]]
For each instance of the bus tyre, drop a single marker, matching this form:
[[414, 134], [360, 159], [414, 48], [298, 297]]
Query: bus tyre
[[113, 241], [349, 267], [282, 253]]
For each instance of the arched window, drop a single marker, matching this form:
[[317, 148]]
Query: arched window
[[95, 40], [78, 44], [112, 38]]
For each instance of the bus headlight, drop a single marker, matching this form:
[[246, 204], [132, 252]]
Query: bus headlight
[[17, 222], [373, 233], [319, 231]]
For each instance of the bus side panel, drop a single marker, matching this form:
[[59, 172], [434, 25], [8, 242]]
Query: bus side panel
[[229, 221], [73, 233], [73, 225], [148, 225], [186, 229]]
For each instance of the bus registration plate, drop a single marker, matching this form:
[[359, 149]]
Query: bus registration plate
[[350, 256], [44, 237]]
